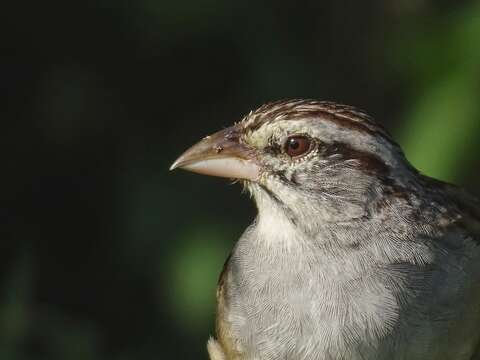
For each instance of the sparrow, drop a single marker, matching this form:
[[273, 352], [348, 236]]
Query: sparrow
[[354, 254]]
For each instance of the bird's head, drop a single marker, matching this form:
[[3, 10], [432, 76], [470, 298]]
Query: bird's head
[[307, 160]]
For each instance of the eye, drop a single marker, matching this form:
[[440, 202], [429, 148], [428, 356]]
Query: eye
[[297, 145]]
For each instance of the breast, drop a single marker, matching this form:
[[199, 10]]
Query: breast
[[311, 304], [279, 308]]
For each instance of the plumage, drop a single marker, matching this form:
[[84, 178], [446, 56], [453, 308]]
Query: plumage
[[353, 255]]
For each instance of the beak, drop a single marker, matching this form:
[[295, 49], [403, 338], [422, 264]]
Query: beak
[[221, 154]]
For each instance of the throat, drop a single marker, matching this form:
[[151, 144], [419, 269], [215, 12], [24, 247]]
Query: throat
[[277, 230], [276, 224]]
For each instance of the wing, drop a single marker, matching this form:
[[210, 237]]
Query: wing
[[224, 346], [215, 350], [469, 221], [468, 209]]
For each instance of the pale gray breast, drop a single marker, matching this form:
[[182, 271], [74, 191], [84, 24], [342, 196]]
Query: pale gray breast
[[307, 304], [303, 303]]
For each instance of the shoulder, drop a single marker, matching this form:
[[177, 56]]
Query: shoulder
[[461, 207]]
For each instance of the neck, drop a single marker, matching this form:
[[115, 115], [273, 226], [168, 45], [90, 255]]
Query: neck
[[286, 220]]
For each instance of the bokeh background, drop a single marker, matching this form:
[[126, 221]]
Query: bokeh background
[[107, 255]]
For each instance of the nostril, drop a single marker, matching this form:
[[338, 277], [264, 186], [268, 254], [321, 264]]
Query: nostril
[[231, 135]]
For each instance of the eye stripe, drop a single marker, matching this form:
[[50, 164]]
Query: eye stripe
[[272, 149], [367, 162]]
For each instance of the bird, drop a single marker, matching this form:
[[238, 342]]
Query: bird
[[354, 254]]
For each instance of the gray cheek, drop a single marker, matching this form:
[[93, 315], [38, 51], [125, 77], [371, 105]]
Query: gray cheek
[[291, 175]]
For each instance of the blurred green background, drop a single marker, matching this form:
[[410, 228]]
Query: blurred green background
[[107, 255]]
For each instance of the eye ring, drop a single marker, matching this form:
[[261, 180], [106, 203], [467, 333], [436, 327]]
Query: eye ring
[[297, 145]]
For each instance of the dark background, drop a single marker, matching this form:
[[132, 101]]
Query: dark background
[[107, 255]]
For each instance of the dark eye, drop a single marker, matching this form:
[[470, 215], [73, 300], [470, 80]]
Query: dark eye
[[297, 145]]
